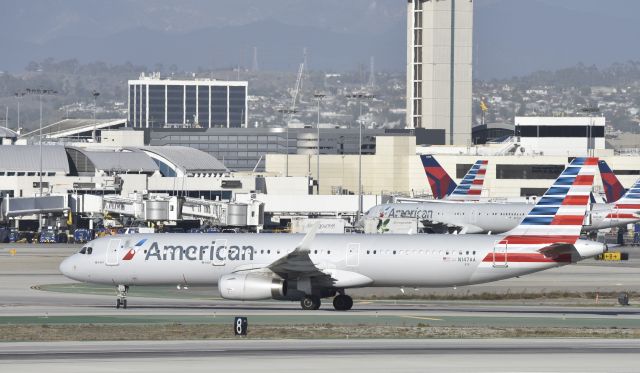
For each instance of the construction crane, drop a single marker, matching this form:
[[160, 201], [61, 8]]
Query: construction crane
[[296, 90]]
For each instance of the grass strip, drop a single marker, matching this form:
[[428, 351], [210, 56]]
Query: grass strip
[[178, 331]]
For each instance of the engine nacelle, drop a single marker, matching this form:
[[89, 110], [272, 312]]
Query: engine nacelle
[[252, 286]]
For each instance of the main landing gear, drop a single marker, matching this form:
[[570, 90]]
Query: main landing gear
[[342, 302], [310, 302], [121, 301]]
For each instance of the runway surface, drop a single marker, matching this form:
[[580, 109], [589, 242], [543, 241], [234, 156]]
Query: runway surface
[[501, 355]]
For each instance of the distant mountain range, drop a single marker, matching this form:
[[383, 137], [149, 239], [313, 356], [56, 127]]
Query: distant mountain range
[[512, 37]]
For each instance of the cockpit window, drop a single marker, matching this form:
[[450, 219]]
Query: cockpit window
[[83, 250], [89, 250]]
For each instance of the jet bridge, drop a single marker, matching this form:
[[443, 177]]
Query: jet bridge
[[28, 206], [224, 214], [172, 208]]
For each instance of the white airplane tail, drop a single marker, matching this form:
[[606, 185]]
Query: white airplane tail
[[552, 227]]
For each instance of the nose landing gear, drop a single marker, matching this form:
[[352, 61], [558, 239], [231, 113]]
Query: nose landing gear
[[121, 301]]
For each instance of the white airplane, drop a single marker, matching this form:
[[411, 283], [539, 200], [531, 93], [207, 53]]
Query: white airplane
[[291, 267], [498, 217]]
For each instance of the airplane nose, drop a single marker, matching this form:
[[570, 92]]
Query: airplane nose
[[67, 267]]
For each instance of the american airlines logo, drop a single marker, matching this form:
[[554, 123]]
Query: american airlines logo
[[407, 213], [199, 253], [130, 254]]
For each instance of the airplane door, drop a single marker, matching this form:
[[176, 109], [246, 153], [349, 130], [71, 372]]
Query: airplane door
[[474, 214], [501, 254], [220, 253], [113, 252], [353, 254]]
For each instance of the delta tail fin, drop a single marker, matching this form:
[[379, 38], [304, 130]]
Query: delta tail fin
[[441, 183], [613, 189], [470, 188]]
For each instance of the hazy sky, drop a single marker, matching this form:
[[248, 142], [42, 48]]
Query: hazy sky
[[511, 36]]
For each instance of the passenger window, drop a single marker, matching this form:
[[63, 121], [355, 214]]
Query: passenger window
[[89, 250]]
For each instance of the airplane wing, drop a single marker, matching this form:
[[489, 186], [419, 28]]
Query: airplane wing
[[298, 264]]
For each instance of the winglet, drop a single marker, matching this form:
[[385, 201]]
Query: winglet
[[305, 245]]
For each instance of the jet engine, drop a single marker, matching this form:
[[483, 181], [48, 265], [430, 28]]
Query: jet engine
[[252, 286]]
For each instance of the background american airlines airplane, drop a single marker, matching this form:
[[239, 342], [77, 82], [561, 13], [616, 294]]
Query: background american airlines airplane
[[499, 217], [443, 187], [289, 267]]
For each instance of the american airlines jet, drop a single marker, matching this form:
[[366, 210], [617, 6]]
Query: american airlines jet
[[499, 217], [309, 268]]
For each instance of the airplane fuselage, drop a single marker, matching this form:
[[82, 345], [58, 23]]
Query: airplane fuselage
[[385, 260], [484, 217]]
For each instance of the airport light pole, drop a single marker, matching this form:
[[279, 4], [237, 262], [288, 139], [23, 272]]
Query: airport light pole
[[19, 95], [40, 93], [360, 97], [95, 95], [286, 148], [319, 97], [590, 141]]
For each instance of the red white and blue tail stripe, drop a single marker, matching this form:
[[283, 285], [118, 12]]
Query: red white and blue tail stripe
[[559, 214], [628, 206], [470, 188]]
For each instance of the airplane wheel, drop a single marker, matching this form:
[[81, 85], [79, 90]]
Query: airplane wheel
[[342, 302], [310, 302]]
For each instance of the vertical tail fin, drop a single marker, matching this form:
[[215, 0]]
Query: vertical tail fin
[[613, 189], [628, 206], [559, 214], [470, 187], [441, 183]]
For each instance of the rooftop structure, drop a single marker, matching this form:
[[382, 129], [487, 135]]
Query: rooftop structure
[[75, 128], [183, 160], [26, 159]]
